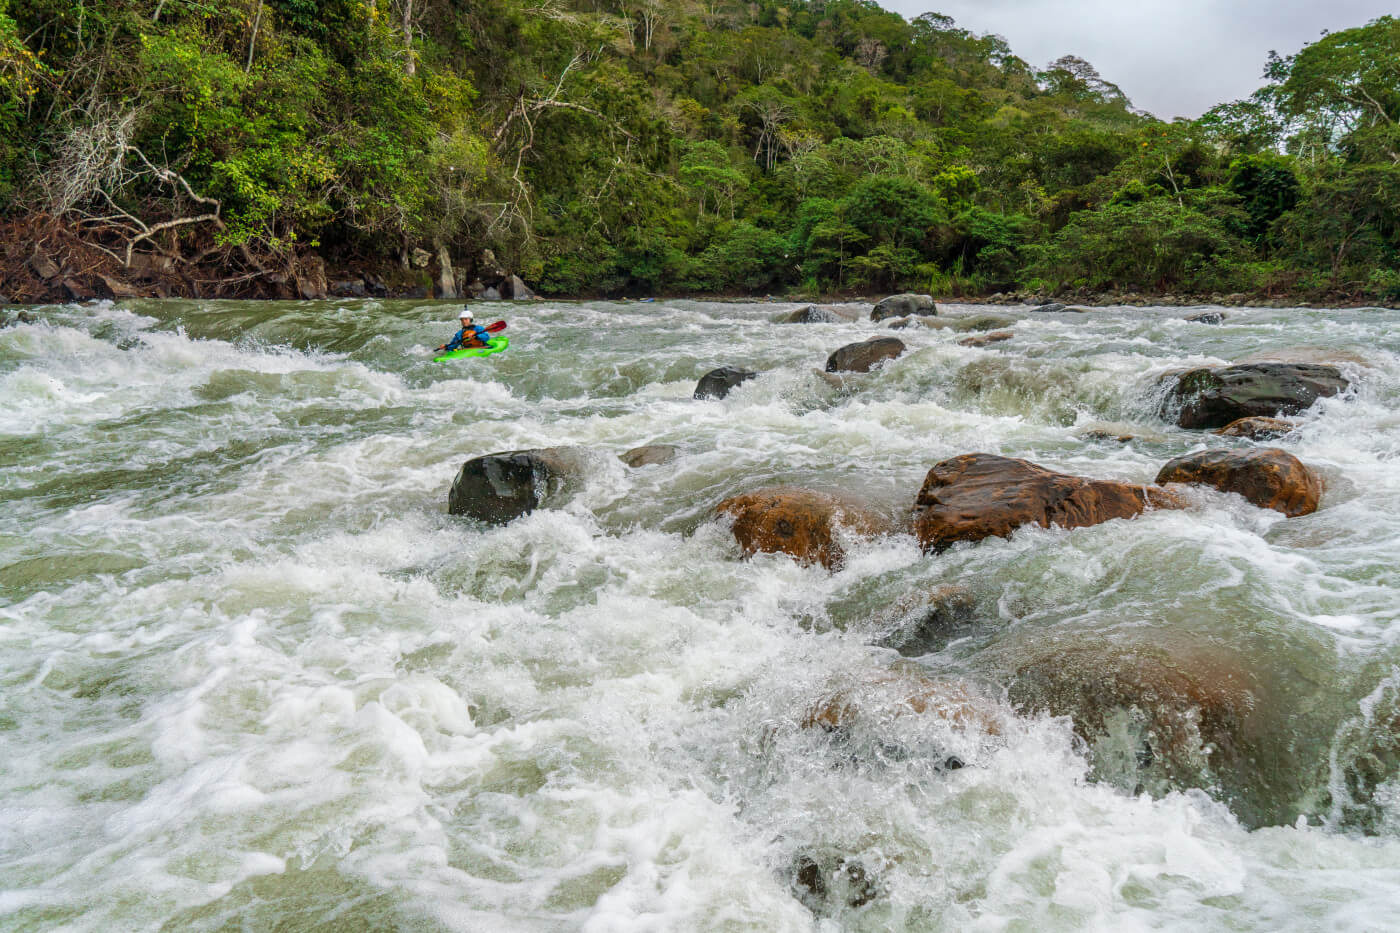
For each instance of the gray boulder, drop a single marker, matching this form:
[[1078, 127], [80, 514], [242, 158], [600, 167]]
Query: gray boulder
[[349, 288], [1208, 317], [907, 305], [817, 314], [490, 294], [1213, 398], [862, 357], [518, 290], [501, 487], [717, 383], [1050, 307]]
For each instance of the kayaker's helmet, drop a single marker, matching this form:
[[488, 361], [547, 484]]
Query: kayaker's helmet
[[465, 316]]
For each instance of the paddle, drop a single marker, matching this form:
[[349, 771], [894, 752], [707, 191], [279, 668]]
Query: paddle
[[495, 328]]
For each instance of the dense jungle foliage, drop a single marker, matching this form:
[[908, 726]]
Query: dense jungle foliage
[[639, 146]]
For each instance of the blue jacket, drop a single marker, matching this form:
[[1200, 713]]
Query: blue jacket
[[466, 333]]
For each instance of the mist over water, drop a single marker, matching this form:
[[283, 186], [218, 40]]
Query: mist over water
[[255, 677]]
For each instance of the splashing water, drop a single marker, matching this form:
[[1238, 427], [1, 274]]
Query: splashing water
[[256, 677]]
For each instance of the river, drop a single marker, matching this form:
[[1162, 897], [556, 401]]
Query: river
[[256, 677]]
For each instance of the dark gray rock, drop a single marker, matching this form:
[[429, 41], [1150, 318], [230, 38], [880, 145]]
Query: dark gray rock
[[718, 382], [924, 622], [862, 357], [1213, 398], [817, 314], [904, 306], [501, 487], [649, 455], [349, 288], [1050, 307], [1208, 317]]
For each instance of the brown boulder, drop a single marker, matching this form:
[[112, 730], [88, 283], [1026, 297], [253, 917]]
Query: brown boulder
[[1193, 705], [649, 455], [981, 340], [800, 522], [1256, 428], [1270, 478], [977, 496], [862, 357]]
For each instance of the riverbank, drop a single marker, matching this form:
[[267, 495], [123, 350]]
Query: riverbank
[[44, 262]]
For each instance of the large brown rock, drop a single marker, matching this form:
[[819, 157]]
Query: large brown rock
[[1193, 707], [1212, 398], [1270, 478], [977, 496], [862, 357], [803, 523]]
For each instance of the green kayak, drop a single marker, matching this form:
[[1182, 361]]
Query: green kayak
[[494, 345]]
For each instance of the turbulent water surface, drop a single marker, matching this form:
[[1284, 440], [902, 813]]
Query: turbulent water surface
[[255, 676]]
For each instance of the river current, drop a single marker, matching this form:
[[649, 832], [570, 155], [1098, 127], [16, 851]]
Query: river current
[[255, 677]]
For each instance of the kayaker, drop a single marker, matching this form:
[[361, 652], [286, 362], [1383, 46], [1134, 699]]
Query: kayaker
[[471, 335]]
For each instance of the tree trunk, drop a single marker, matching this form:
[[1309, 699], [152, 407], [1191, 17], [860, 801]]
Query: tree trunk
[[409, 66]]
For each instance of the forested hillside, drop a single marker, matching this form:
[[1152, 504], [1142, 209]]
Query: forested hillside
[[651, 146]]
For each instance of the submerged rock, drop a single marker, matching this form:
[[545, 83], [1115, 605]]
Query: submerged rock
[[1187, 712], [862, 357], [891, 695], [1208, 317], [1257, 428], [1050, 307], [649, 455], [501, 487], [1212, 398], [802, 523], [978, 496], [819, 314], [1270, 478], [906, 305], [818, 884], [923, 622], [717, 383], [982, 340]]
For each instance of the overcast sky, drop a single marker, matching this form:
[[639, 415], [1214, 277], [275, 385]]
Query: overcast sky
[[1171, 57]]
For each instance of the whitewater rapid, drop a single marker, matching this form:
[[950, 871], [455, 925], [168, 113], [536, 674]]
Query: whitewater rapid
[[255, 677]]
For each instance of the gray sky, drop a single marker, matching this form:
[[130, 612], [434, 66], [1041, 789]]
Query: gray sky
[[1171, 57]]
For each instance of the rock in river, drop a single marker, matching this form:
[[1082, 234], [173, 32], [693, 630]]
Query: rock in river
[[1257, 428], [977, 496], [904, 306], [649, 455], [1212, 398], [818, 314], [800, 522], [862, 357], [1270, 478], [500, 487], [718, 382]]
